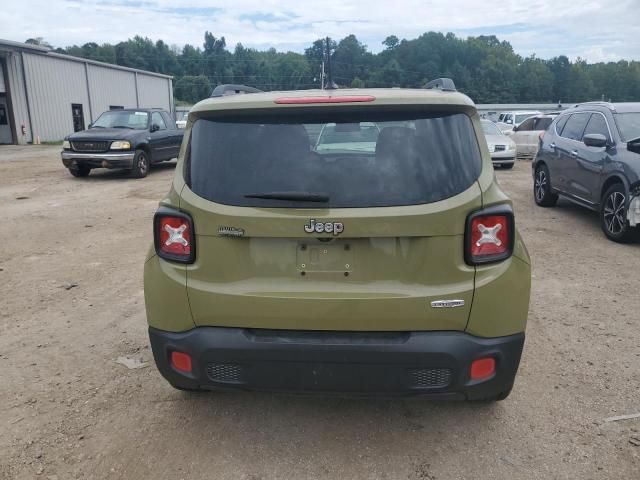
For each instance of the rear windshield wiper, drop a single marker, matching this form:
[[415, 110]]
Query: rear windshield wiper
[[293, 196], [122, 126]]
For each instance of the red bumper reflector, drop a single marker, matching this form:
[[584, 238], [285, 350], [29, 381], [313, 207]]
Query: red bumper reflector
[[339, 99], [181, 361], [483, 368]]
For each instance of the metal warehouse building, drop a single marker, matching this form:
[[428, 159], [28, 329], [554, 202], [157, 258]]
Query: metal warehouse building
[[44, 95]]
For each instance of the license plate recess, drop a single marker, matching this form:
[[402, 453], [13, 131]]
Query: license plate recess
[[318, 257]]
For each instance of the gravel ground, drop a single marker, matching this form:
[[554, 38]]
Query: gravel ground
[[71, 303]]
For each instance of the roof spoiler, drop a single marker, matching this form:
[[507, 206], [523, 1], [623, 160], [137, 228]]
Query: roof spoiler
[[230, 89], [444, 84]]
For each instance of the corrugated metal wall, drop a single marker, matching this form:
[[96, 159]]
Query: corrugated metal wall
[[108, 87], [18, 96], [54, 83], [154, 92], [2, 87]]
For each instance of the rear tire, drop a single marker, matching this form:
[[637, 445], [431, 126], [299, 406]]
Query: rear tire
[[613, 215], [80, 171], [542, 193], [141, 164]]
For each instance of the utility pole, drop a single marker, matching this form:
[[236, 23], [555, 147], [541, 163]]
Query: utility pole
[[322, 75], [330, 83]]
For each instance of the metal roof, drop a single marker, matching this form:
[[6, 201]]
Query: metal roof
[[10, 45]]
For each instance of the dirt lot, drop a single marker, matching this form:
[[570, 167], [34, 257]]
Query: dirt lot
[[71, 303]]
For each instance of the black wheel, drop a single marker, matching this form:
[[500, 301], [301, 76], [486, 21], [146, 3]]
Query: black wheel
[[508, 166], [613, 215], [80, 171], [141, 164], [542, 193]]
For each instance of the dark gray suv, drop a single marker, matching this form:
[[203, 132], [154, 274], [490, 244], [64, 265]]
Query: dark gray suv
[[591, 155]]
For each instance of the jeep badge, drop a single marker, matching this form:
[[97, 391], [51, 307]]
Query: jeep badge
[[313, 226]]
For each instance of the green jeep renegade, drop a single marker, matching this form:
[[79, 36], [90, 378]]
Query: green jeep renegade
[[351, 241]]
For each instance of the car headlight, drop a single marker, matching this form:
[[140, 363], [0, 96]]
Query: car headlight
[[120, 145], [66, 145], [511, 146], [492, 148]]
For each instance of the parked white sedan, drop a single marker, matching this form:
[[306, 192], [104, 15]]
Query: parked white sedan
[[501, 147], [527, 135]]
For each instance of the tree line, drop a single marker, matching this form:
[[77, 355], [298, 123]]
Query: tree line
[[483, 67]]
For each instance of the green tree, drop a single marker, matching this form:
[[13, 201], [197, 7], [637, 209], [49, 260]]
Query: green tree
[[484, 67], [41, 42], [561, 69], [391, 42], [192, 89], [350, 60], [535, 81]]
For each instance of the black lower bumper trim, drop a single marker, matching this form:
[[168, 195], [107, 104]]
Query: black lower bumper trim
[[409, 363], [104, 161]]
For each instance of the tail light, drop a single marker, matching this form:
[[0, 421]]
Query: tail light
[[181, 361], [482, 368], [489, 235], [173, 236]]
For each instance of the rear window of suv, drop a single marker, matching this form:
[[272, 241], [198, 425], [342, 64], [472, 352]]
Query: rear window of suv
[[348, 161]]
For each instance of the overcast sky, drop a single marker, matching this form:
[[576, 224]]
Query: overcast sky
[[597, 30]]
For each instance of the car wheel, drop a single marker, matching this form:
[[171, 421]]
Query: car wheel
[[542, 193], [613, 215], [140, 164], [80, 171]]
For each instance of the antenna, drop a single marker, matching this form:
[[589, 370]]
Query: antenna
[[330, 83]]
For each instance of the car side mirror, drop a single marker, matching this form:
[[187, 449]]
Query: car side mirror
[[595, 140], [155, 127], [90, 125]]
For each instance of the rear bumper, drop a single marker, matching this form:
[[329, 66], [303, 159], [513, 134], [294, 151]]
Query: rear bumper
[[97, 160], [370, 363], [504, 158]]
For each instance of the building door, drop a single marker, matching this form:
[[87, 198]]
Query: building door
[[5, 127], [78, 117]]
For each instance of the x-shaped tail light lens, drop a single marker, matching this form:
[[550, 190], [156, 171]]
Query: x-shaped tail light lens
[[489, 237], [174, 236]]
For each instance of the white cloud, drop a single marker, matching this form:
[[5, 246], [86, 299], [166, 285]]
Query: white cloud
[[593, 29]]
